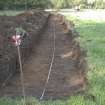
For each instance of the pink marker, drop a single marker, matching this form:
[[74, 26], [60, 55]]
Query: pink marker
[[16, 40]]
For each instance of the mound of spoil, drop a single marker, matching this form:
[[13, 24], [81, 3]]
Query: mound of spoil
[[32, 23], [68, 75]]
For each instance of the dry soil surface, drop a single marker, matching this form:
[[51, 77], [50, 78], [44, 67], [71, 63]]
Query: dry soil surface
[[68, 75]]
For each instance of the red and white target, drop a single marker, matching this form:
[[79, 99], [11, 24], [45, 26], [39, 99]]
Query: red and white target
[[16, 40]]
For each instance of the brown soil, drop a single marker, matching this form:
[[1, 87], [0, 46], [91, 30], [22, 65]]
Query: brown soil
[[33, 24], [68, 76]]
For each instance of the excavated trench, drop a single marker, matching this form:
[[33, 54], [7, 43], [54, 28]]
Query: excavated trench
[[68, 75]]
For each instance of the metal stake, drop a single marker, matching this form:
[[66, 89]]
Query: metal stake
[[22, 76]]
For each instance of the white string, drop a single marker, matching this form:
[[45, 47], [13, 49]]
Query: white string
[[50, 69]]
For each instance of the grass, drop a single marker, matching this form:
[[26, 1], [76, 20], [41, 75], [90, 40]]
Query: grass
[[77, 100], [92, 38], [9, 12]]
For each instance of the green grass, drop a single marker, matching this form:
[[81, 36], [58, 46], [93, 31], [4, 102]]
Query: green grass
[[92, 38], [77, 100], [10, 12]]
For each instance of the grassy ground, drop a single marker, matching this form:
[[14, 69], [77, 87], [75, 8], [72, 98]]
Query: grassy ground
[[92, 38], [9, 12]]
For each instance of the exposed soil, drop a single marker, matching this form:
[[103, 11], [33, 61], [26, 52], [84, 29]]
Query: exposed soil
[[68, 76], [32, 23]]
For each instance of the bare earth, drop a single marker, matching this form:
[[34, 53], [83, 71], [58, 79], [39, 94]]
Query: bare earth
[[68, 74]]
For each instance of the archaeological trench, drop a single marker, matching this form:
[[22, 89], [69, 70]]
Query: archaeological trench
[[68, 74]]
